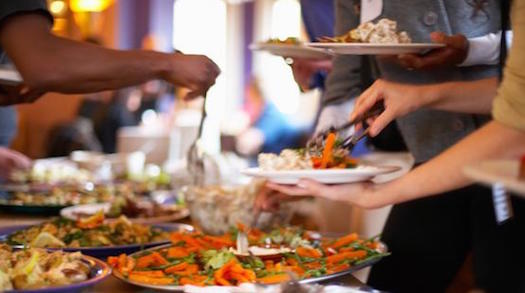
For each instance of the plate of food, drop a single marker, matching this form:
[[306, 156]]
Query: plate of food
[[92, 236], [291, 47], [37, 270], [329, 164], [52, 201], [380, 38], [137, 210], [203, 260]]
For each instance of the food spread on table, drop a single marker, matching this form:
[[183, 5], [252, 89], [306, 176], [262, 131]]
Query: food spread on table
[[384, 31], [87, 232], [202, 260], [331, 156], [37, 268], [59, 196]]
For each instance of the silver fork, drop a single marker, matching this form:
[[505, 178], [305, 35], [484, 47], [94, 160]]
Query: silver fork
[[195, 164]]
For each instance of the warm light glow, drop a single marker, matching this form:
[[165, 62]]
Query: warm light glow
[[90, 5], [57, 7]]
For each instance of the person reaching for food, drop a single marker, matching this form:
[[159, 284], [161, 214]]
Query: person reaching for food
[[458, 215], [504, 137], [51, 63]]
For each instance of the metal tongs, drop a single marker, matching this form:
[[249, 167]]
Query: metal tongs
[[316, 142], [195, 162]]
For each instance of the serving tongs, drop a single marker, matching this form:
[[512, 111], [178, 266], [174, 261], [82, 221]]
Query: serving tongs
[[315, 144], [195, 161]]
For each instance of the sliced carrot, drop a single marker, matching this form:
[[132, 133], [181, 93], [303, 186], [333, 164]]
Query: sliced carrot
[[188, 271], [274, 279], [308, 252], [346, 255], [337, 268], [150, 280], [345, 240], [153, 274], [327, 156], [178, 267], [312, 265], [177, 252]]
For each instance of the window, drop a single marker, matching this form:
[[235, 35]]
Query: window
[[200, 27]]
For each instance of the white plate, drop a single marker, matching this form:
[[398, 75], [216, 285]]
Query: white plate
[[375, 49], [71, 213], [498, 171], [293, 51], [328, 176]]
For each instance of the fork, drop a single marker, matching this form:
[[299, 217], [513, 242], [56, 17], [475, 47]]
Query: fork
[[195, 161]]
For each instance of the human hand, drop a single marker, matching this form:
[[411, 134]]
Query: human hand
[[398, 100], [195, 72], [358, 194], [454, 53], [10, 161], [303, 69], [269, 200]]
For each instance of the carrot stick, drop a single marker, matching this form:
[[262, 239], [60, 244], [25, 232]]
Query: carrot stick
[[177, 252], [274, 279], [308, 252], [178, 267], [345, 240], [346, 255], [326, 158], [149, 280], [153, 274]]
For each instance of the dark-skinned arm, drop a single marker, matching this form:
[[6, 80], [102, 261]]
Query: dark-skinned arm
[[49, 63]]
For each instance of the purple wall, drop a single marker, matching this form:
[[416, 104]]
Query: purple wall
[[248, 19], [138, 18]]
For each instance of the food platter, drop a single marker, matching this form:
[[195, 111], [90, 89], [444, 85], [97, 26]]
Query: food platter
[[98, 272], [292, 50], [90, 209], [104, 251], [327, 176], [505, 172], [375, 49], [366, 263], [351, 270]]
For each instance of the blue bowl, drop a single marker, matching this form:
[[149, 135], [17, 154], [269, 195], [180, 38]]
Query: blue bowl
[[104, 252]]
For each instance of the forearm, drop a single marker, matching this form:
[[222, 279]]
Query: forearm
[[50, 63], [466, 97], [445, 172], [74, 67]]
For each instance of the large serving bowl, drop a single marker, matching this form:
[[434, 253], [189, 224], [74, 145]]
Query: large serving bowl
[[217, 208]]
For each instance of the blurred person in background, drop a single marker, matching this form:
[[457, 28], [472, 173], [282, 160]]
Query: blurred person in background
[[269, 130], [49, 63]]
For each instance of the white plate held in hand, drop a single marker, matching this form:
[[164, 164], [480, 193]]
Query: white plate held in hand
[[327, 176], [375, 49]]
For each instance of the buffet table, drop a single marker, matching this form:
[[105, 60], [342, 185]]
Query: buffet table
[[113, 285]]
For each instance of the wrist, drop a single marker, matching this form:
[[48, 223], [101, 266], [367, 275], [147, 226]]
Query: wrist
[[161, 64], [428, 95]]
